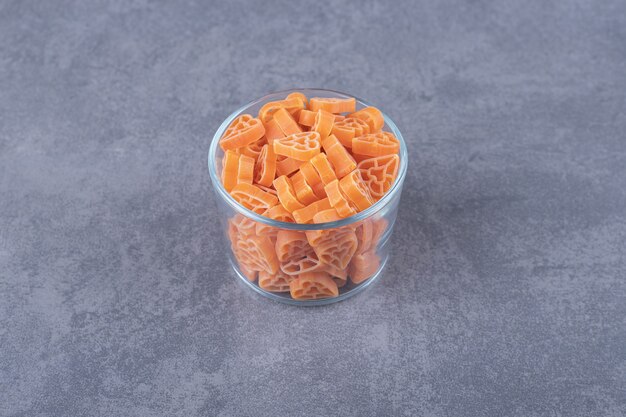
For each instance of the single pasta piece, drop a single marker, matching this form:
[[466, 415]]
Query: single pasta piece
[[278, 282], [338, 156], [286, 122], [240, 225], [291, 245], [257, 253], [267, 189], [266, 166], [251, 251], [340, 276], [295, 254], [306, 214], [315, 237], [319, 191], [338, 200], [299, 96], [334, 247], [323, 123], [363, 266], [380, 226], [299, 146], [230, 166], [333, 105], [379, 173], [245, 173], [307, 118], [286, 165], [313, 286], [355, 189], [376, 144], [242, 131], [364, 235], [286, 194], [324, 168], [302, 104], [272, 131], [349, 128], [253, 198], [372, 116], [253, 150], [310, 174], [304, 193], [326, 216], [358, 158], [266, 113], [308, 263]]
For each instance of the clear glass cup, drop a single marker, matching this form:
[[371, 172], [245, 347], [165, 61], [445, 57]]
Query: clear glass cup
[[251, 238]]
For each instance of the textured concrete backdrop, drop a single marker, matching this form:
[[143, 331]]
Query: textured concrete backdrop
[[506, 295]]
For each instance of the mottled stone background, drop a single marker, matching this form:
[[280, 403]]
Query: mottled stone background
[[506, 294]]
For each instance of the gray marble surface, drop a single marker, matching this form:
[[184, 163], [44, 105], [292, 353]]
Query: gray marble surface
[[506, 294]]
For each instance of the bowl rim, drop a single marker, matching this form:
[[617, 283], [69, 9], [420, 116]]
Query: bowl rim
[[370, 211]]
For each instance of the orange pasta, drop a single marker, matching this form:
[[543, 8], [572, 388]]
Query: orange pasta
[[309, 162], [230, 167], [363, 266], [253, 150], [323, 123], [339, 157], [355, 189], [299, 146], [250, 274], [272, 131], [313, 285], [287, 166], [372, 116], [286, 194], [308, 263], [376, 144], [306, 214], [291, 245], [266, 113], [253, 198], [266, 166], [319, 191], [245, 173], [310, 174], [333, 105], [278, 282], [379, 173], [349, 128], [286, 122], [242, 131], [358, 158], [333, 247], [365, 235], [340, 276], [267, 189], [304, 193], [307, 118], [302, 104], [338, 200], [277, 212], [257, 253], [324, 169]]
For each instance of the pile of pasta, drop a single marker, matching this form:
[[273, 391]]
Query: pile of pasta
[[308, 161]]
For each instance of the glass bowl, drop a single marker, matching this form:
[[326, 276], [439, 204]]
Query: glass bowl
[[237, 222]]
